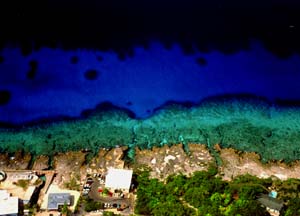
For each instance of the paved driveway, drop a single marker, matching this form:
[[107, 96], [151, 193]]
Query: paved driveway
[[95, 195]]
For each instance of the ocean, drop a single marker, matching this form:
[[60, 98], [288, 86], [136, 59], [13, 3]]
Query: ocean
[[89, 75]]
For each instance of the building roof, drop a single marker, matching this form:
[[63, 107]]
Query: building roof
[[57, 199], [270, 202], [28, 175], [118, 179], [8, 205]]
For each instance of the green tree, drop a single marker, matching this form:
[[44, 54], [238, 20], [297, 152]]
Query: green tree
[[216, 198], [23, 184], [209, 210], [212, 171], [293, 208], [171, 209], [288, 189], [210, 195], [246, 207], [150, 192], [91, 205], [175, 184], [248, 187], [65, 210], [197, 196]]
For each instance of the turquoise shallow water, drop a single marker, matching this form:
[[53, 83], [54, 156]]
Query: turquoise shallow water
[[248, 125]]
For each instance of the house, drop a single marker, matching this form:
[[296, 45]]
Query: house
[[56, 197], [118, 179], [57, 200], [272, 204], [9, 206]]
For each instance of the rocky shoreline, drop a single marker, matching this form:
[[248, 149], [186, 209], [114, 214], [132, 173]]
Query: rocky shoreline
[[162, 161]]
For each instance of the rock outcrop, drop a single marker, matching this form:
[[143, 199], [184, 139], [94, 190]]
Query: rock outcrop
[[41, 162], [107, 158], [167, 160], [70, 165], [238, 163], [19, 161]]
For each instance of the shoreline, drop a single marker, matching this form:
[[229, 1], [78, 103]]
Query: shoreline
[[162, 162], [70, 170]]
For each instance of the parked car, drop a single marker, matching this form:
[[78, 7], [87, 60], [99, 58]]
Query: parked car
[[85, 193], [89, 180], [108, 205], [89, 183], [116, 205], [86, 186]]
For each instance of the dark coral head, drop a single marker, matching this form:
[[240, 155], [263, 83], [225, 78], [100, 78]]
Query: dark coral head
[[91, 74], [5, 97]]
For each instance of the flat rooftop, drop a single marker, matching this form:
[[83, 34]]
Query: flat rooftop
[[57, 199], [118, 178], [8, 205]]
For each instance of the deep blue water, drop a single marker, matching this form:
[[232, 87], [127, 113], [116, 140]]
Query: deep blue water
[[54, 82], [64, 58]]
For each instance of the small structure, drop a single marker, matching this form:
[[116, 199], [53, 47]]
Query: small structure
[[57, 200], [273, 194], [26, 175], [9, 206], [118, 179], [272, 204]]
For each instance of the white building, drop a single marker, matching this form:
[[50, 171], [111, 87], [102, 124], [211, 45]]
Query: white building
[[118, 179], [9, 206], [15, 176]]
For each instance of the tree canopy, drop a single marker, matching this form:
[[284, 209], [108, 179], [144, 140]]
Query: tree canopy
[[201, 194]]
